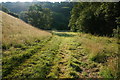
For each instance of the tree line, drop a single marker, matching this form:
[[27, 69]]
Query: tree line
[[95, 17], [8, 11], [100, 18], [51, 16]]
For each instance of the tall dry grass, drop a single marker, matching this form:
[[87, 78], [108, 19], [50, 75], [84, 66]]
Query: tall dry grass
[[15, 31], [102, 50]]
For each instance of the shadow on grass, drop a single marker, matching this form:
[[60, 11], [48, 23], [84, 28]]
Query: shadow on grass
[[64, 35]]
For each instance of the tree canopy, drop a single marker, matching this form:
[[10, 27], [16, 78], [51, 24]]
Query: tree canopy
[[39, 17], [60, 12], [96, 18]]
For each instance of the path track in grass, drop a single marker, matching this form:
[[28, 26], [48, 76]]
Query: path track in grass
[[71, 61], [60, 57]]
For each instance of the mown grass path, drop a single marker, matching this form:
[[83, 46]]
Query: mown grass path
[[72, 61], [63, 56]]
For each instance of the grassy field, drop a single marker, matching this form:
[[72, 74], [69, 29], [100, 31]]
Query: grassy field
[[65, 55], [32, 53]]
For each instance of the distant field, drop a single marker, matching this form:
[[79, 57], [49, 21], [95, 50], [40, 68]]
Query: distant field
[[32, 53]]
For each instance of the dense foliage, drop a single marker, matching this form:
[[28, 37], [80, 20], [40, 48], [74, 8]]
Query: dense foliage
[[95, 18], [60, 12], [61, 15], [39, 17]]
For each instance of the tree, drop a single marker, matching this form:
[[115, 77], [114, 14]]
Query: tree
[[39, 17], [60, 12], [4, 9], [95, 18], [23, 16]]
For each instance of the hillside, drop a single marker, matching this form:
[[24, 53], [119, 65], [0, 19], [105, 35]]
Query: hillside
[[15, 31]]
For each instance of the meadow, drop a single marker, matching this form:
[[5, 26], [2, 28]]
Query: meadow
[[65, 55], [32, 53]]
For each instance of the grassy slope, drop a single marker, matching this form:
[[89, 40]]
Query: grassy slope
[[19, 41], [15, 31]]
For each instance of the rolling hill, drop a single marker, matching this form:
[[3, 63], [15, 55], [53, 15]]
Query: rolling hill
[[15, 31]]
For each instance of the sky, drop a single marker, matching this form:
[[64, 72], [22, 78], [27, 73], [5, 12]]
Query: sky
[[59, 0], [29, 0]]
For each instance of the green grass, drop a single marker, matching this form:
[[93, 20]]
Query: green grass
[[17, 57], [65, 55], [39, 64]]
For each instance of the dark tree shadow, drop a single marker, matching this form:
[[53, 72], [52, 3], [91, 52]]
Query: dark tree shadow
[[64, 35]]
